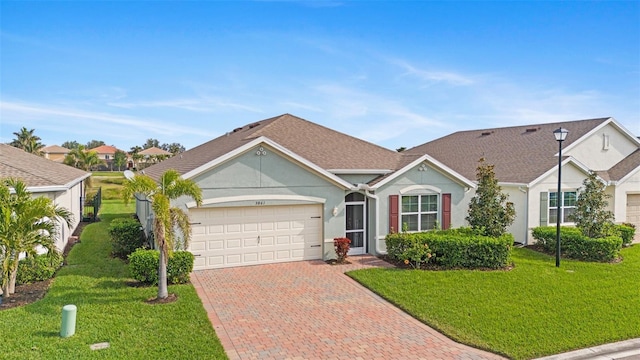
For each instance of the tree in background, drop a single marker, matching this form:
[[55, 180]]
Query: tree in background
[[27, 141], [82, 158], [590, 215], [174, 148], [26, 223], [119, 159], [151, 143], [70, 145], [166, 219], [489, 212], [94, 144]]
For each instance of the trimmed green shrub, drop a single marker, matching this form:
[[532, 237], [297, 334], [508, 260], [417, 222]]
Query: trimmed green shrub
[[37, 268], [126, 236], [574, 245], [627, 232], [455, 248], [143, 266]]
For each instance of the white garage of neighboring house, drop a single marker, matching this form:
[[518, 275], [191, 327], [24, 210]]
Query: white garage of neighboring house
[[281, 189]]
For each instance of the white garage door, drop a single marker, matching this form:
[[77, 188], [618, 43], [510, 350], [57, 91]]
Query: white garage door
[[633, 212], [239, 236]]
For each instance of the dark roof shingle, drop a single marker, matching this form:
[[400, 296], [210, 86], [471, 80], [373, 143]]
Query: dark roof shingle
[[520, 153], [324, 147], [36, 171]]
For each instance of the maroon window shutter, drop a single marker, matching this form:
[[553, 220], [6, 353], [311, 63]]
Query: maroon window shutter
[[393, 213], [446, 211]]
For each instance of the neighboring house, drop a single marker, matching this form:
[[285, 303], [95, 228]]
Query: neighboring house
[[150, 156], [55, 153], [105, 153], [282, 189], [526, 165], [61, 183]]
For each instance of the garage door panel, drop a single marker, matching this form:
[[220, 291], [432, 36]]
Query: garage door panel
[[256, 235]]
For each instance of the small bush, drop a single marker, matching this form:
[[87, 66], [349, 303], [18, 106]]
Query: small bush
[[574, 245], [126, 237], [455, 248], [627, 232], [341, 246], [37, 268], [143, 266]]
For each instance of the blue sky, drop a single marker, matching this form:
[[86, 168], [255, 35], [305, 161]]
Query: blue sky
[[395, 73]]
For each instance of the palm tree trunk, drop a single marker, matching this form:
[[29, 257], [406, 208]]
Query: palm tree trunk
[[162, 264], [12, 280], [162, 277]]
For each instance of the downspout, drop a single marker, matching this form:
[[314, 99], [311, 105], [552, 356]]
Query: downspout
[[366, 189]]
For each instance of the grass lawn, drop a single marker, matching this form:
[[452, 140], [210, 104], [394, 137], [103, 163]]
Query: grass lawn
[[110, 182], [533, 310], [109, 310]]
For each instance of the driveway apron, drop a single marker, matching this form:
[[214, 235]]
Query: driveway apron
[[311, 310]]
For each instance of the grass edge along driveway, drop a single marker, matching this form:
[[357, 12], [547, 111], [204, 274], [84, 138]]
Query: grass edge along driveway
[[109, 310], [531, 311]]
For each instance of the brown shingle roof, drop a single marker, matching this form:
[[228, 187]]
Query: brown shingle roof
[[324, 147], [36, 171], [628, 164], [520, 153]]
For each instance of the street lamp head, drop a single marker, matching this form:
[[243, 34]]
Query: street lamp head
[[560, 134]]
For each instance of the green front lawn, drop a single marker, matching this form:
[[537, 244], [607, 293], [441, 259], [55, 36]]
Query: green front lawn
[[533, 310], [109, 310]]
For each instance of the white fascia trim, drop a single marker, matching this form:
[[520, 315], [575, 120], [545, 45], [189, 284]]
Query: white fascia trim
[[360, 171], [420, 187], [512, 184], [566, 161], [228, 199], [260, 140], [611, 121], [433, 161], [56, 188], [42, 189]]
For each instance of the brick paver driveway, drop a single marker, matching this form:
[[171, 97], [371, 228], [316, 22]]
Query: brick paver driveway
[[311, 310]]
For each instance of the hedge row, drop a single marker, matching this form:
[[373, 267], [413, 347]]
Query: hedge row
[[454, 248], [143, 266], [37, 268], [126, 236], [574, 245]]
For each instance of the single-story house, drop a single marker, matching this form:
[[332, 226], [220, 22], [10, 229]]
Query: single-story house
[[61, 183], [281, 189], [55, 153]]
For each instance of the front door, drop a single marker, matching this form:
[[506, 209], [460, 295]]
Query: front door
[[355, 227]]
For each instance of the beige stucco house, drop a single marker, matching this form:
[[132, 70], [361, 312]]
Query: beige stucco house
[[281, 189]]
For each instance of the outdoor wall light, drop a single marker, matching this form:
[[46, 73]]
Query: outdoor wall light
[[335, 211]]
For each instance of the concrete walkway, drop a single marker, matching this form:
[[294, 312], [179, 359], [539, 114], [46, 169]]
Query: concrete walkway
[[311, 310], [623, 350]]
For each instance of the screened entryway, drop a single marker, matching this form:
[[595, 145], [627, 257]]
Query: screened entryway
[[355, 222]]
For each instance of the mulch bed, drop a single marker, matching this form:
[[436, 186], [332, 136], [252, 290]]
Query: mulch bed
[[28, 293]]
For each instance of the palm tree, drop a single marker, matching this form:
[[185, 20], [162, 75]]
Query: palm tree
[[84, 159], [166, 218], [25, 224], [27, 141]]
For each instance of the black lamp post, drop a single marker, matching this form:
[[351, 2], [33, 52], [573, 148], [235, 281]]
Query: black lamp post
[[560, 135]]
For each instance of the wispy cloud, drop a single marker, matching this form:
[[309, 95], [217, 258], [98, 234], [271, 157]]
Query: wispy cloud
[[75, 122], [434, 76], [205, 104]]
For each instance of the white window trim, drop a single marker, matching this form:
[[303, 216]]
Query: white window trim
[[419, 212], [562, 207]]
